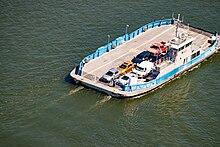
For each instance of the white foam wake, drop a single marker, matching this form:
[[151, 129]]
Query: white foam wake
[[75, 90]]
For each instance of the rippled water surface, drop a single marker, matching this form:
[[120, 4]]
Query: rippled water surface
[[41, 42]]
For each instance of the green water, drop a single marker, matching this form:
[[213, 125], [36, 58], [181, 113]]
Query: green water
[[41, 42]]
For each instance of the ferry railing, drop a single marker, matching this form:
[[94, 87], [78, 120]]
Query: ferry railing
[[119, 41], [175, 71]]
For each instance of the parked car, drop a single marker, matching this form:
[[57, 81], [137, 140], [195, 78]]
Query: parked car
[[145, 55], [153, 75], [127, 79], [126, 67], [160, 46], [142, 69], [112, 74]]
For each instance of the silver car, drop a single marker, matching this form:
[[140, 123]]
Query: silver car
[[110, 75]]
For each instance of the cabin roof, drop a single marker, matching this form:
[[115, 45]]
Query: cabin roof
[[183, 42]]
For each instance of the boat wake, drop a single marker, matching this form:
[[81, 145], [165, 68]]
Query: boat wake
[[100, 102], [75, 90], [195, 67], [137, 97]]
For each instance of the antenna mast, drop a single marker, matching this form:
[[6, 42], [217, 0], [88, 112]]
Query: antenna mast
[[177, 25]]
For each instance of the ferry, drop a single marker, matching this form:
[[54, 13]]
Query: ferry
[[137, 63]]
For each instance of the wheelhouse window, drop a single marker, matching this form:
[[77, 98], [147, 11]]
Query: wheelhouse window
[[181, 48], [188, 44], [185, 46]]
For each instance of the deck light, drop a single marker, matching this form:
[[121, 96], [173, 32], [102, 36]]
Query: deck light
[[108, 40], [126, 31]]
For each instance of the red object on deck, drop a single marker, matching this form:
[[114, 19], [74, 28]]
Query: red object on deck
[[154, 51], [158, 47]]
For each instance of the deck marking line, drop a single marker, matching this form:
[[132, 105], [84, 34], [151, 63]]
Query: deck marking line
[[133, 50]]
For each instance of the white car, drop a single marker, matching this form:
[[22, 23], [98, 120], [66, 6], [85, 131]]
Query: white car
[[127, 79], [142, 69]]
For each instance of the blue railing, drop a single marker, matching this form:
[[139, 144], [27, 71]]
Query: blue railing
[[175, 71], [117, 42]]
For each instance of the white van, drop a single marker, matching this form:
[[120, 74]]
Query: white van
[[143, 68]]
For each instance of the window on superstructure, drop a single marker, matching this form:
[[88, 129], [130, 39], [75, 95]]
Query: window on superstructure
[[188, 44], [195, 55], [185, 60], [181, 48]]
